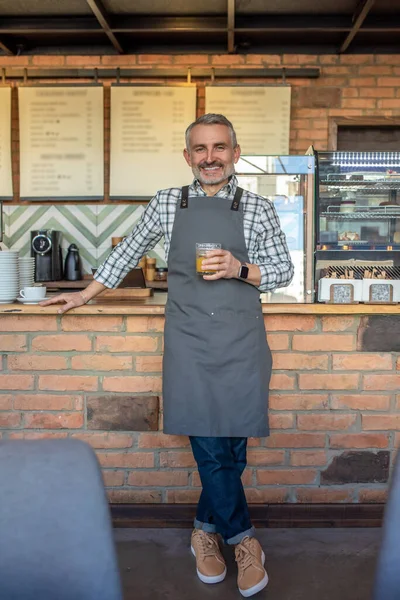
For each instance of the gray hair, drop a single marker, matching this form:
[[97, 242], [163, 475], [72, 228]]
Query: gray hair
[[211, 119]]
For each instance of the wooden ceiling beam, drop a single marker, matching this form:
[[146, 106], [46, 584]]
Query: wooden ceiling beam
[[358, 19], [231, 26], [102, 17]]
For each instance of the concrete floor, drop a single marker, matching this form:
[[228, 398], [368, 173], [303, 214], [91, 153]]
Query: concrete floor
[[303, 564]]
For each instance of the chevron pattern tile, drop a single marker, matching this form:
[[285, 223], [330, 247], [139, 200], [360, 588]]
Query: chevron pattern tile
[[90, 227]]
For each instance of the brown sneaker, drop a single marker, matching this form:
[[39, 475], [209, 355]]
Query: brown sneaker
[[250, 558], [211, 567]]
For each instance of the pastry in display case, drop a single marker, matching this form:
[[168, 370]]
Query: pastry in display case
[[288, 182], [357, 224]]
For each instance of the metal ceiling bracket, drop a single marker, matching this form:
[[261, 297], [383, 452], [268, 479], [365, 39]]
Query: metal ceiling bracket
[[358, 19], [118, 78], [189, 75], [3, 75], [284, 75], [96, 75], [231, 26], [25, 75], [212, 75]]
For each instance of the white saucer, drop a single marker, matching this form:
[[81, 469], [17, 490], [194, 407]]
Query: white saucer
[[26, 301]]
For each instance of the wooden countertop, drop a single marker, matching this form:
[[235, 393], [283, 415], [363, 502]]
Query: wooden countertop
[[155, 306]]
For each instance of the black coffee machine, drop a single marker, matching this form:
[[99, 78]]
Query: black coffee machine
[[46, 248]]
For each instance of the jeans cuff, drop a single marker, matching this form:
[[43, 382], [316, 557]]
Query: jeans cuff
[[236, 539], [208, 527]]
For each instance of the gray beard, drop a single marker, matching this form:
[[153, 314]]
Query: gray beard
[[228, 171]]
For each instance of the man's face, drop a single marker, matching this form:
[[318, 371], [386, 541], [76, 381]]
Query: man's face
[[211, 154]]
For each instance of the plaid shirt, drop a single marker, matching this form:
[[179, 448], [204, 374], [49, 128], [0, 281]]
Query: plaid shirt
[[265, 241]]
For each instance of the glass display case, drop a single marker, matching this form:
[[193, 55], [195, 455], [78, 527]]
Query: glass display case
[[288, 182], [357, 214]]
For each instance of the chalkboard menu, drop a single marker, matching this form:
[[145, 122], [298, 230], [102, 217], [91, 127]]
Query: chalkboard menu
[[148, 126], [61, 142], [259, 114], [5, 143]]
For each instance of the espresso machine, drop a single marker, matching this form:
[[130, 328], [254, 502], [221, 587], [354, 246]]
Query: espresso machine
[[46, 249]]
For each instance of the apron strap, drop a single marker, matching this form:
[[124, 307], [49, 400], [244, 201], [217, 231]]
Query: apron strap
[[185, 196], [236, 199]]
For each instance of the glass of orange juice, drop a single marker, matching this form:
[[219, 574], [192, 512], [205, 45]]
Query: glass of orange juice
[[201, 253]]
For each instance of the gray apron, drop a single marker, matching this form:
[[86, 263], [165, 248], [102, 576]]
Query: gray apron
[[217, 364]]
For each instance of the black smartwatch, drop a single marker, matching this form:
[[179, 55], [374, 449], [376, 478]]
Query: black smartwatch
[[243, 271]]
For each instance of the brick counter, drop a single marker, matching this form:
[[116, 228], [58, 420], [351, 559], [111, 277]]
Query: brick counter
[[95, 374]]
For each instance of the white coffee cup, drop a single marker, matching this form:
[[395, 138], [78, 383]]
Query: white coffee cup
[[38, 292]]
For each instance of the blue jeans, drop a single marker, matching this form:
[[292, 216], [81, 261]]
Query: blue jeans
[[222, 506]]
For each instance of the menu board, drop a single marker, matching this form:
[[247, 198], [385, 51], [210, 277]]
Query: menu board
[[260, 115], [148, 126], [61, 142], [6, 190]]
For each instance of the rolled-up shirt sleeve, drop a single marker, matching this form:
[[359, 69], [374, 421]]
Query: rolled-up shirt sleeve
[[127, 254], [273, 254]]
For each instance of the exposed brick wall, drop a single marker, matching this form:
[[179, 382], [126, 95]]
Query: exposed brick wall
[[334, 407], [349, 86]]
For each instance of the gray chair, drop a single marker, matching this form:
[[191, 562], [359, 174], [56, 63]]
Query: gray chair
[[387, 580], [56, 540]]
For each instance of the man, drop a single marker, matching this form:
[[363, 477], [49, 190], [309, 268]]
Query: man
[[217, 364]]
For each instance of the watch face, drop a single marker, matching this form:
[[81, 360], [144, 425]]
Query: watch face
[[244, 272]]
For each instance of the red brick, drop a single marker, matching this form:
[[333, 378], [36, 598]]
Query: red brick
[[373, 496], [14, 323], [300, 59], [155, 59], [158, 478], [101, 362], [389, 103], [311, 381], [9, 420], [289, 322], [191, 59], [134, 496], [110, 343], [162, 440], [228, 59], [253, 442], [381, 382], [389, 81], [105, 440], [380, 422], [82, 61], [149, 364], [119, 60], [183, 496], [61, 343], [286, 476], [266, 495], [362, 82], [337, 70], [6, 401], [176, 460], [53, 421], [16, 382], [358, 102], [281, 421], [281, 381], [378, 92], [91, 323], [143, 324], [329, 59], [247, 478], [387, 59], [374, 70], [298, 401], [355, 59], [80, 383], [49, 61], [358, 440], [350, 93], [278, 341], [322, 495], [263, 59], [36, 362], [323, 422], [296, 440], [323, 343], [46, 402], [13, 343], [300, 362], [126, 460], [37, 435], [132, 384], [342, 323], [362, 362], [360, 402], [311, 458], [113, 478], [14, 61], [257, 458]]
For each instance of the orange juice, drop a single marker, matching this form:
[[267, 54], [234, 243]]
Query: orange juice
[[199, 261]]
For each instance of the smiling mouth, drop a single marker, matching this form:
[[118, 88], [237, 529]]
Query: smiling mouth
[[211, 169]]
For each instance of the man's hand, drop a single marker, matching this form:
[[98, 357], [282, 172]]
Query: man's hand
[[70, 301], [226, 265]]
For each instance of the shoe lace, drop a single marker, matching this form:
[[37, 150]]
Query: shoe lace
[[245, 558], [208, 545]]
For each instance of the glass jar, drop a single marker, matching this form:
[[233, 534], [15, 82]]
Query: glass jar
[[161, 274]]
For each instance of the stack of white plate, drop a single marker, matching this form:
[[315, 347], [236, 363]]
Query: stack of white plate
[[9, 276], [26, 272]]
